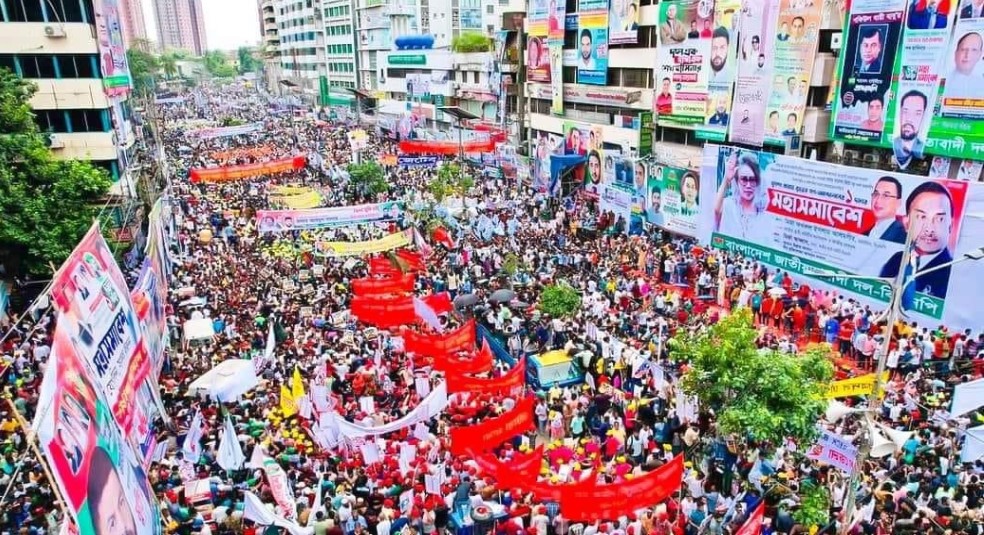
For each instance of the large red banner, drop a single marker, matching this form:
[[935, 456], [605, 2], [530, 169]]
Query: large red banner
[[437, 346], [490, 433], [517, 472], [514, 379], [384, 313], [390, 285], [480, 361], [237, 172], [623, 498]]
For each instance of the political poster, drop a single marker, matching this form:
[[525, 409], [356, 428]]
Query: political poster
[[616, 200], [919, 70], [556, 58], [96, 470], [834, 450], [795, 49], [544, 146], [592, 42], [536, 22], [830, 225], [287, 220], [673, 199], [754, 79], [93, 300], [556, 12], [112, 48], [958, 130], [623, 22], [586, 140], [682, 62], [722, 65], [867, 66], [538, 60]]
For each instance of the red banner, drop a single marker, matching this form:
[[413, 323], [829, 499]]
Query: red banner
[[236, 172], [753, 526], [391, 285], [439, 303], [546, 492], [617, 499], [382, 266], [460, 382], [438, 346], [516, 472], [368, 302], [493, 431], [449, 148], [480, 361], [384, 316], [413, 259]]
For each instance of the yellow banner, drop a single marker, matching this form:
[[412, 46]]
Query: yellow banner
[[302, 201], [857, 386], [296, 385], [290, 190], [388, 243]]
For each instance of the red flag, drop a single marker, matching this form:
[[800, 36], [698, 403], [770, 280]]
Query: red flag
[[440, 235], [440, 303], [493, 431], [753, 526]]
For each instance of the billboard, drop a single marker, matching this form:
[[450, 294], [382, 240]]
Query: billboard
[[556, 12], [537, 60], [623, 22], [112, 49], [101, 479], [958, 129], [544, 145], [585, 139], [672, 199], [812, 218], [536, 20], [722, 63], [592, 42], [754, 80], [556, 53], [795, 46]]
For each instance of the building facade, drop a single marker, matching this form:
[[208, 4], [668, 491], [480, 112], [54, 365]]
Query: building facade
[[270, 44], [181, 25], [78, 64], [134, 24], [301, 30]]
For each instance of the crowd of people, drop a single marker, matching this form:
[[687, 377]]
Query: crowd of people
[[627, 417]]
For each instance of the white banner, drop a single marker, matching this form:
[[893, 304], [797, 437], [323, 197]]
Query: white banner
[[280, 488], [834, 450], [430, 407], [192, 447], [258, 512]]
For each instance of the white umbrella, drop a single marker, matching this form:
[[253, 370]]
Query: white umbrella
[[777, 292]]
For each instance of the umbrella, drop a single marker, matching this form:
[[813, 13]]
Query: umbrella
[[465, 300], [502, 296], [777, 292], [518, 304]]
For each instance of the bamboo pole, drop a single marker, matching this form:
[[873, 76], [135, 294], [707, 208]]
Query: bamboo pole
[[32, 444]]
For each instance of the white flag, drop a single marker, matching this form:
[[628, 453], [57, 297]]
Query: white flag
[[192, 447], [317, 507], [256, 511], [230, 456]]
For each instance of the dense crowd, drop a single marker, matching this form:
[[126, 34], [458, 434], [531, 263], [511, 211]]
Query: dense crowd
[[626, 418]]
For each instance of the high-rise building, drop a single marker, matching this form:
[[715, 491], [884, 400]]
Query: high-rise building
[[181, 25], [134, 25], [76, 57], [270, 43], [301, 30]]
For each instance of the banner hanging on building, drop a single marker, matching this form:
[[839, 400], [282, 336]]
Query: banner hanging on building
[[623, 22], [756, 56], [818, 220], [673, 200], [683, 62], [592, 43], [537, 60], [544, 146], [536, 22], [286, 220], [112, 50], [556, 60], [586, 140]]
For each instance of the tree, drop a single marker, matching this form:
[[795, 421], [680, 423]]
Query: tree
[[369, 178], [471, 42], [450, 181], [762, 395], [218, 65], [169, 64], [47, 204], [560, 300], [247, 63], [144, 68]]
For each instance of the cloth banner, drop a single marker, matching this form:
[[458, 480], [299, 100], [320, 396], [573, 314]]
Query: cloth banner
[[429, 407], [336, 216], [494, 431], [226, 131], [383, 266], [387, 243], [834, 450], [857, 386], [480, 361], [753, 526], [967, 397], [280, 488], [515, 472], [400, 312], [440, 303], [547, 492], [417, 162], [448, 148], [427, 315], [392, 285], [236, 172], [192, 446], [258, 512], [973, 448], [413, 259], [514, 379], [437, 346], [611, 501]]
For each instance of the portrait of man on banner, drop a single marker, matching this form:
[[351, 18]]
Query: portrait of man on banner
[[909, 142]]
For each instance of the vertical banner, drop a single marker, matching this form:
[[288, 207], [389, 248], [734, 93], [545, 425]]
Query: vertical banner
[[756, 56], [112, 49], [673, 200], [919, 68], [536, 22], [958, 130], [810, 218], [104, 487], [544, 145], [538, 65], [95, 309], [556, 59], [685, 31], [556, 12], [721, 66], [585, 139], [795, 51], [623, 22], [867, 61], [592, 42]]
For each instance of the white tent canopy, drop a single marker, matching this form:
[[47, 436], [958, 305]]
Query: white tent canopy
[[228, 381], [974, 445], [967, 397], [200, 329]]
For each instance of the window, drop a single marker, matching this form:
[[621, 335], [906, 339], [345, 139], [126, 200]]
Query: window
[[86, 120], [7, 62], [570, 75], [51, 120], [490, 9], [37, 66], [65, 11], [77, 65], [636, 78]]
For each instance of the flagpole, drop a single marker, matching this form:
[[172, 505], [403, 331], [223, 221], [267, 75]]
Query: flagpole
[[30, 438]]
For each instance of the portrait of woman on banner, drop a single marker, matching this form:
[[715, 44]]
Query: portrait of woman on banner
[[689, 189], [741, 202]]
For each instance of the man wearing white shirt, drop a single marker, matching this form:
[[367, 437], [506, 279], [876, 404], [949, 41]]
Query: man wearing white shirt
[[966, 81], [586, 60]]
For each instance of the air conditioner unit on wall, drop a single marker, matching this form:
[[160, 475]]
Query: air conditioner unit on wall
[[53, 31], [55, 142]]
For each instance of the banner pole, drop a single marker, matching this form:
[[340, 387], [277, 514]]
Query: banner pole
[[30, 438]]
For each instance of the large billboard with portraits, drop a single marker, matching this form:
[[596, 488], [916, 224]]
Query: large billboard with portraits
[[812, 218]]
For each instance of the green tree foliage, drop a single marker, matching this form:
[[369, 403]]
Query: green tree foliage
[[217, 64], [169, 64], [471, 42], [368, 178], [451, 181], [144, 68], [560, 300], [247, 63], [47, 204], [763, 395], [814, 505]]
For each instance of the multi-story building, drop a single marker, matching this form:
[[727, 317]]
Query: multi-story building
[[301, 30], [379, 23], [81, 98], [134, 24], [181, 25], [270, 44], [340, 51]]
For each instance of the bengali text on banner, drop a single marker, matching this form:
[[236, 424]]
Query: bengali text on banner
[[387, 243], [682, 62], [592, 43], [286, 220], [673, 199], [756, 56], [239, 172], [623, 22], [722, 68]]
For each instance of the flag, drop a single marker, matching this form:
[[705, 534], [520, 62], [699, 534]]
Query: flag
[[192, 447], [441, 235], [317, 507], [427, 314], [753, 526], [255, 510], [258, 458], [230, 456], [297, 385], [287, 404], [421, 244]]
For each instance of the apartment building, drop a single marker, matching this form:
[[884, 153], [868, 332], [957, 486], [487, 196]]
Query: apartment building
[[301, 30], [181, 25]]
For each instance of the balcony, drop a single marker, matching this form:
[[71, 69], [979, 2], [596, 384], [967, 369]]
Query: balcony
[[399, 11]]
